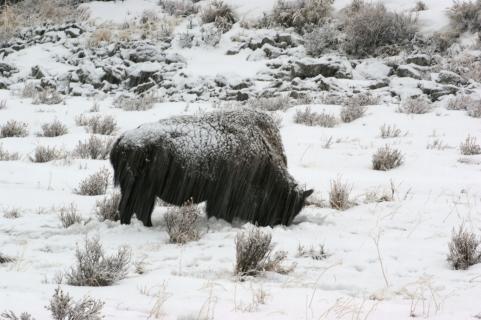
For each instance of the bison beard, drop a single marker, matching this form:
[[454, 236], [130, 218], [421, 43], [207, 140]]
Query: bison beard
[[234, 160]]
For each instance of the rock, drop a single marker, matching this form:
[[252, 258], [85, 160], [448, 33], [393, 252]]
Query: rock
[[141, 88], [143, 52], [326, 66], [448, 77], [271, 51], [419, 59], [6, 70], [143, 72], [73, 32], [435, 91], [114, 75], [373, 70], [242, 96], [37, 72], [379, 84], [408, 71]]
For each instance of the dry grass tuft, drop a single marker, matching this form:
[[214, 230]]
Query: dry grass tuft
[[14, 128], [254, 254], [94, 185], [69, 215], [108, 207], [470, 147], [310, 118], [464, 249], [183, 223], [387, 158]]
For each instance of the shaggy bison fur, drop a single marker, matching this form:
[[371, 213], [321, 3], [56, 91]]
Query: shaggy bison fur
[[234, 160]]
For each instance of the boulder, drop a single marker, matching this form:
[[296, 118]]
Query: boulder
[[419, 59], [449, 77], [408, 71], [326, 66]]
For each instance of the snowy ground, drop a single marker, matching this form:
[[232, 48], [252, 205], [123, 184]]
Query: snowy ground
[[405, 274]]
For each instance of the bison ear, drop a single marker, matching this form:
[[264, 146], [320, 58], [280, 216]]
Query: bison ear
[[307, 193]]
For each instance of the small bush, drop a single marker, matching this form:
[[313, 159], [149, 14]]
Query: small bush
[[463, 249], [94, 148], [254, 254], [69, 216], [420, 6], [32, 13], [10, 315], [352, 111], [386, 158], [311, 252], [460, 102], [141, 103], [183, 223], [53, 129], [14, 128], [415, 105], [94, 185], [321, 39], [102, 125], [179, 8], [3, 104], [339, 195], [389, 131], [474, 110], [46, 154], [300, 14], [63, 307], [310, 118], [363, 99], [105, 125], [371, 26], [12, 213], [470, 147], [465, 16], [47, 96], [95, 269], [108, 207], [8, 156], [220, 14], [281, 103]]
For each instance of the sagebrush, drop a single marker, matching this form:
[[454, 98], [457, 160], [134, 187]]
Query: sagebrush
[[183, 223], [94, 268], [387, 158], [464, 249]]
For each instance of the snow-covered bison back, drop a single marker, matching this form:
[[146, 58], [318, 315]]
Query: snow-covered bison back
[[234, 160]]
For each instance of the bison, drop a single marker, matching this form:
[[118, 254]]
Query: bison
[[234, 160]]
